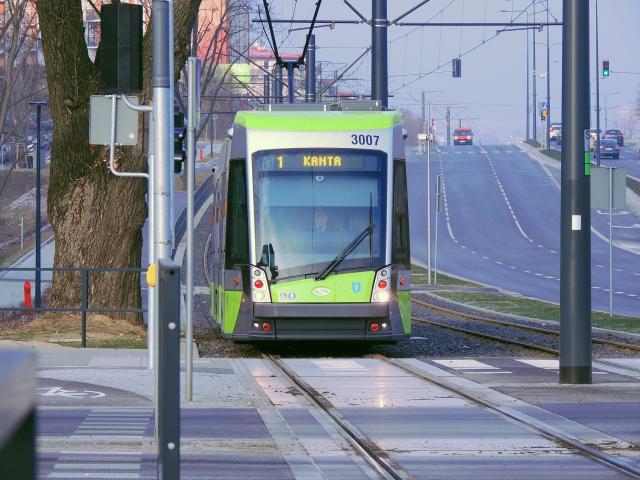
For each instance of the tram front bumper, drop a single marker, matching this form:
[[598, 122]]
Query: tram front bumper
[[371, 322]]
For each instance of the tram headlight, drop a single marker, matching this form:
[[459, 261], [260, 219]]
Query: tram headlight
[[381, 287]]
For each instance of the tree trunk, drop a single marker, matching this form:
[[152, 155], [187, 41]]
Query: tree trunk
[[97, 218]]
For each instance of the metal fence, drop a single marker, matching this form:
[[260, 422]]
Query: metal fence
[[84, 307]]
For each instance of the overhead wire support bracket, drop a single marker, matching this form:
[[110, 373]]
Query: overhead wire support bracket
[[408, 12], [354, 10], [306, 43], [273, 36]]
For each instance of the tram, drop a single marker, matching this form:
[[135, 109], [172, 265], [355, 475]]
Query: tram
[[310, 227]]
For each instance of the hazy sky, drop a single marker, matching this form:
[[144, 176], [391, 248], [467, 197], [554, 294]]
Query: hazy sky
[[491, 93]]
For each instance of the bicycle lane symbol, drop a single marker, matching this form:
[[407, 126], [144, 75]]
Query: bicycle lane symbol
[[61, 392]]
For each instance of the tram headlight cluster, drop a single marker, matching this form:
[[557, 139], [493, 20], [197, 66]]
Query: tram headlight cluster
[[381, 286], [259, 286]]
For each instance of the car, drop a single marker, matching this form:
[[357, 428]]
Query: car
[[615, 134], [462, 136], [609, 148], [555, 132]]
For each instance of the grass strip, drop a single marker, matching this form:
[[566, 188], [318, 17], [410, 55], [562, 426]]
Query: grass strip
[[539, 309], [419, 277]]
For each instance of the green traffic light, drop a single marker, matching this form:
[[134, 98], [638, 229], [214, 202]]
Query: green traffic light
[[605, 68]]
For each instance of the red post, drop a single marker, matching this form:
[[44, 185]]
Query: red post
[[201, 153], [27, 296]]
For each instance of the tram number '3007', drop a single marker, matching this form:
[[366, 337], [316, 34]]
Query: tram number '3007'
[[371, 140]]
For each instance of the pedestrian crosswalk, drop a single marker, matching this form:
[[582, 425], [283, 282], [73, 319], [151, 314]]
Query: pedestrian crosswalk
[[122, 423], [96, 466]]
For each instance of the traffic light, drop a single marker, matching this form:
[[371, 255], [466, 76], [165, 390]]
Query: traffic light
[[179, 137], [605, 68], [456, 68], [544, 113]]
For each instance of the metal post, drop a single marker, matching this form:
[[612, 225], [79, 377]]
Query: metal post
[[611, 241], [169, 40], [438, 209], [168, 378], [152, 296], [449, 126], [597, 91], [266, 82], [548, 126], [192, 108], [528, 79], [21, 233], [379, 76], [606, 114], [84, 303], [311, 70], [423, 116], [534, 93], [278, 87], [291, 89], [428, 199], [575, 234], [162, 119], [38, 211]]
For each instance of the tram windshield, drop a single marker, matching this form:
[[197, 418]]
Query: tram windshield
[[310, 204]]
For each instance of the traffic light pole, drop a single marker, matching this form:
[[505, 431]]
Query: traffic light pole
[[548, 126], [575, 224], [534, 93], [379, 76]]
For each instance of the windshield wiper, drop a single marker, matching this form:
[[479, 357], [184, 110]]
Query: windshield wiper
[[346, 252]]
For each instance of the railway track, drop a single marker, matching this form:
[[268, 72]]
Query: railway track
[[510, 325], [387, 468], [364, 447]]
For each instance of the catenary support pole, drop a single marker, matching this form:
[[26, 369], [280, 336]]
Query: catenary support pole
[[449, 126], [548, 125], [291, 79], [428, 195], [575, 224], [597, 151], [611, 241], [534, 93], [38, 295], [528, 98], [379, 74], [152, 292], [193, 69], [311, 71], [277, 84], [266, 81]]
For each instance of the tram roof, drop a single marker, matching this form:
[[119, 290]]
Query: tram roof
[[306, 121]]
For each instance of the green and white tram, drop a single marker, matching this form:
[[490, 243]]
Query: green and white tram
[[310, 228]]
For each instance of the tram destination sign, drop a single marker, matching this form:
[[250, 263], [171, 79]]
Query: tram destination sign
[[318, 160]]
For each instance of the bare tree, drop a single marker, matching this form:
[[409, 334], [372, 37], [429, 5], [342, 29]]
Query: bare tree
[[97, 218], [21, 73]]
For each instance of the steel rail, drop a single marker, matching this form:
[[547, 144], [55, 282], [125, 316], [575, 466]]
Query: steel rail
[[366, 448], [488, 336], [567, 440], [529, 328]]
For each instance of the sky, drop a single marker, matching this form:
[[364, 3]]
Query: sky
[[490, 96]]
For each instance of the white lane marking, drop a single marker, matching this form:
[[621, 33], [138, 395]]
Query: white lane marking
[[547, 364], [465, 364]]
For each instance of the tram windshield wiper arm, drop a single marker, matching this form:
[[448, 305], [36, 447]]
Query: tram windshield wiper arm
[[345, 252]]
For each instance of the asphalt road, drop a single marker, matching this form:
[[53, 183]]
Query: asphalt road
[[500, 225]]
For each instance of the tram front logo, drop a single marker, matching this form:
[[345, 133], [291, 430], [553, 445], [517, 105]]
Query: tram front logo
[[321, 292], [356, 287]]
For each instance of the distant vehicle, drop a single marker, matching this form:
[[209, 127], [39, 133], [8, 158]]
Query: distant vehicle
[[609, 148], [555, 132], [462, 136], [615, 134]]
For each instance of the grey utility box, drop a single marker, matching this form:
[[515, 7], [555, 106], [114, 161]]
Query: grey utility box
[[100, 121]]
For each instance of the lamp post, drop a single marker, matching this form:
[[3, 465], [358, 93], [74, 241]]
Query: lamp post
[[38, 282]]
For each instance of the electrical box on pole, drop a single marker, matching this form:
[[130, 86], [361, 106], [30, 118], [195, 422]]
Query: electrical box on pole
[[121, 48], [456, 68]]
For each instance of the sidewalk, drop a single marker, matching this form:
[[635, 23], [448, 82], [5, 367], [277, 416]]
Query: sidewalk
[[247, 421]]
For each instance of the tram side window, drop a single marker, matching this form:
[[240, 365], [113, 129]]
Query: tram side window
[[400, 248], [237, 241]]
